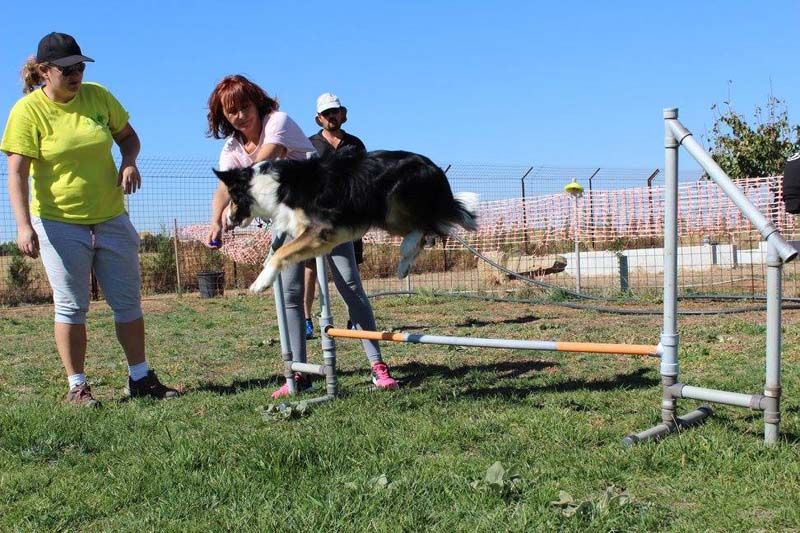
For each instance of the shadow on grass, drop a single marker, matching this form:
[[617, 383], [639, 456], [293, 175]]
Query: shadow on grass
[[470, 322], [414, 375], [238, 386], [754, 418]]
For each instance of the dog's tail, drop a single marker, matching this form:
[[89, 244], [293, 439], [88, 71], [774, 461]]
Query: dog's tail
[[467, 206]]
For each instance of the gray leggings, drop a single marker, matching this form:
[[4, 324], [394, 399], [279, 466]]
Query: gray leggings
[[342, 263]]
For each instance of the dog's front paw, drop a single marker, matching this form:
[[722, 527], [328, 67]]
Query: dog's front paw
[[264, 280]]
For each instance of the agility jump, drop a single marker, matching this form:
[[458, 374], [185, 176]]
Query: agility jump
[[779, 251]]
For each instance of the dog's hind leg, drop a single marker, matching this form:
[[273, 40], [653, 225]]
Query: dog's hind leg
[[409, 250]]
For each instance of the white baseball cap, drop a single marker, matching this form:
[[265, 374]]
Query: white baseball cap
[[327, 101]]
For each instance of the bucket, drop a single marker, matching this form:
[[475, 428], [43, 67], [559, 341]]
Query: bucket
[[211, 284]]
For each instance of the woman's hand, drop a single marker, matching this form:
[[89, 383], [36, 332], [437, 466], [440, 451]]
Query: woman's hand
[[214, 238], [28, 241], [129, 145], [129, 178]]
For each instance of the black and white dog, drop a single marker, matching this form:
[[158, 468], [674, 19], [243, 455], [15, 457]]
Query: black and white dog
[[324, 202]]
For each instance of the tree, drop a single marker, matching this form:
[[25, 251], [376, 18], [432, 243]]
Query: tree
[[745, 151]]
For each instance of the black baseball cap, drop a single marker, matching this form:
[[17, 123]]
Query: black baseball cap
[[60, 49]]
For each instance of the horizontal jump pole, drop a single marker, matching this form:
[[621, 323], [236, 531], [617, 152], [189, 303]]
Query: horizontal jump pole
[[650, 350]]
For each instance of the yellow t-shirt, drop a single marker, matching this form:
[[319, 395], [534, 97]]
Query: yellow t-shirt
[[73, 173]]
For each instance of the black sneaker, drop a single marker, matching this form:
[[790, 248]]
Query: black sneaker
[[149, 386], [81, 395]]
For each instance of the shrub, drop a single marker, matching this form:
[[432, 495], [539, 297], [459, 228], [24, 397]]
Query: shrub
[[158, 269], [19, 271]]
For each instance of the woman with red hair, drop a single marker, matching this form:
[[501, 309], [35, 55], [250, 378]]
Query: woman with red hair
[[241, 112]]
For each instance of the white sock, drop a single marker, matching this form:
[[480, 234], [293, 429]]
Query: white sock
[[138, 371], [76, 379]]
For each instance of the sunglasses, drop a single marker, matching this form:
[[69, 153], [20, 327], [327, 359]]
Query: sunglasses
[[330, 112], [70, 70]]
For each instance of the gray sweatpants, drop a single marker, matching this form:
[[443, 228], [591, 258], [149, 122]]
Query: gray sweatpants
[[342, 263]]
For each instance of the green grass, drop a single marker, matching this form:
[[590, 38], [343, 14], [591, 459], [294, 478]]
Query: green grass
[[410, 460]]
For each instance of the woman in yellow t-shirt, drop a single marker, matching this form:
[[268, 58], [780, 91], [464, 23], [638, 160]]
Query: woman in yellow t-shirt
[[60, 134]]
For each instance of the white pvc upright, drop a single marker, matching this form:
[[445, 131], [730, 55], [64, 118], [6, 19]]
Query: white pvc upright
[[669, 331], [779, 251], [772, 384]]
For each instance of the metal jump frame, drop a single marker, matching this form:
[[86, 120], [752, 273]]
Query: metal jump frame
[[779, 251]]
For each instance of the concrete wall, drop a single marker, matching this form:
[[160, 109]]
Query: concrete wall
[[652, 259]]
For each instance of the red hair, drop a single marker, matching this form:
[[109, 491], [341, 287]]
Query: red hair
[[235, 92]]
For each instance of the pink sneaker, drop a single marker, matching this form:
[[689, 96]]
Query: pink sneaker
[[303, 384], [381, 377]]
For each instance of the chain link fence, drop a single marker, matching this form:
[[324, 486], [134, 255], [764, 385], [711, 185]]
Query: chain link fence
[[605, 242]]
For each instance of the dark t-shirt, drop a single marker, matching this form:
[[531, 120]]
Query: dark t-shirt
[[324, 147]]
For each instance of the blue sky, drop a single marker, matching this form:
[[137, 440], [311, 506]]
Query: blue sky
[[546, 83]]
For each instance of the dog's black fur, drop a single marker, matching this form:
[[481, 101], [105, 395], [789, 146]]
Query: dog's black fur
[[339, 197]]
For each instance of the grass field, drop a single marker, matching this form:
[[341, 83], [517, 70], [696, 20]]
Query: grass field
[[416, 459]]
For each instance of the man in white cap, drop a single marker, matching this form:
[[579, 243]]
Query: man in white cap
[[331, 114]]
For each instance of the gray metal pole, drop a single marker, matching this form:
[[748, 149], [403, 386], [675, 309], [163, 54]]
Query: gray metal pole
[[772, 385], [770, 233], [691, 418], [669, 333], [577, 247], [591, 204], [622, 263], [524, 212], [280, 310], [325, 320], [749, 401], [177, 258]]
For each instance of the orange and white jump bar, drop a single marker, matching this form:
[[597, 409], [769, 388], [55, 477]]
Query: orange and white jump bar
[[647, 350]]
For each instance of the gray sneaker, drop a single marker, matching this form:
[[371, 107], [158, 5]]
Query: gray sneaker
[[149, 386], [81, 395]]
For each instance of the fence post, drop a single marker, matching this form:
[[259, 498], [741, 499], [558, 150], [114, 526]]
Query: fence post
[[444, 239], [650, 196], [591, 205], [622, 259], [524, 212], [177, 257]]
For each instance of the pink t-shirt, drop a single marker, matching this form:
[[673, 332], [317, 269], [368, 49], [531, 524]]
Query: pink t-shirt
[[278, 129]]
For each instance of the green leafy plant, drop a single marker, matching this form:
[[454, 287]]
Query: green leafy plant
[[375, 484], [500, 481], [210, 260], [594, 506], [284, 411], [746, 150]]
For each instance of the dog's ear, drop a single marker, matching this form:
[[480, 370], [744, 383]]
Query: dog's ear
[[263, 167], [234, 176]]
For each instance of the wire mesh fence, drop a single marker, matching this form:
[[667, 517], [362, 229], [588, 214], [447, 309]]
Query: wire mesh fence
[[608, 241]]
